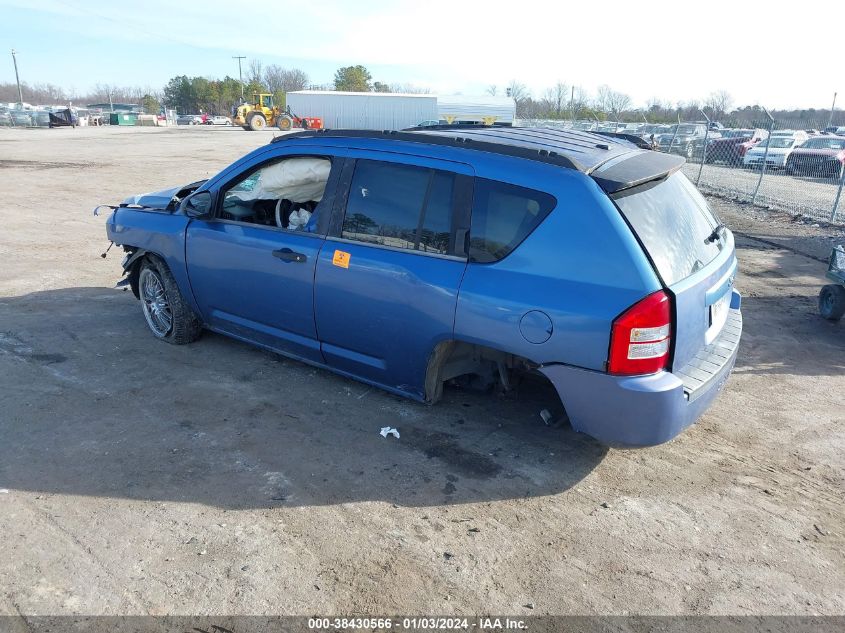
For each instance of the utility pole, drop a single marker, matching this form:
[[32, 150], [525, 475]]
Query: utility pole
[[240, 72], [829, 119], [17, 78]]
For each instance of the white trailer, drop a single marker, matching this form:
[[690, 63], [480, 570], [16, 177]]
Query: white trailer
[[394, 111], [363, 110], [487, 110]]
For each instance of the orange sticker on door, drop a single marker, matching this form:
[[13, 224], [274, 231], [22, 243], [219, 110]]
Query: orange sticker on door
[[341, 258]]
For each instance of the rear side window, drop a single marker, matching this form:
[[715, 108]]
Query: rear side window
[[401, 206], [503, 215], [673, 221]]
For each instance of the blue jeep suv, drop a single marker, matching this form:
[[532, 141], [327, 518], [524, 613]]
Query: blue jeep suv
[[406, 259]]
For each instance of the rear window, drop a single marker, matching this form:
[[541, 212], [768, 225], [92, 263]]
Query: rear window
[[503, 216], [673, 221]]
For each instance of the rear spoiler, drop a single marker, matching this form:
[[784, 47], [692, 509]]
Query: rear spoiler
[[635, 169]]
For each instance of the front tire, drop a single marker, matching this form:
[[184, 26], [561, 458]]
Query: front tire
[[168, 315], [284, 123], [832, 302], [256, 121]]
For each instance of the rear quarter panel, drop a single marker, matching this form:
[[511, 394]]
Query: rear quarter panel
[[582, 267]]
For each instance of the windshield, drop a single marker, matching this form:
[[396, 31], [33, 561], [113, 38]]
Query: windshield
[[735, 133], [673, 221], [686, 129], [825, 143]]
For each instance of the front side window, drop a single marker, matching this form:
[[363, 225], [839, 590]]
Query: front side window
[[400, 206], [503, 215], [285, 194]]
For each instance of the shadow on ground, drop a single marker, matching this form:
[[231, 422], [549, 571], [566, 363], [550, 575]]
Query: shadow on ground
[[93, 405]]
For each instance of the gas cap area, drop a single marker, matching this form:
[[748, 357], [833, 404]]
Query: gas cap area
[[536, 327]]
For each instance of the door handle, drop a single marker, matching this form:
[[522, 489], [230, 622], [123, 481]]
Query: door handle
[[287, 255]]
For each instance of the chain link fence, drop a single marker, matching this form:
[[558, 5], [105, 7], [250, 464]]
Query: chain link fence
[[779, 164]]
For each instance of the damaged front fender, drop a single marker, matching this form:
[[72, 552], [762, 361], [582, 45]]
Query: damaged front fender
[[130, 270]]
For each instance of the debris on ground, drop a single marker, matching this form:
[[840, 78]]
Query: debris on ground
[[547, 417], [389, 430]]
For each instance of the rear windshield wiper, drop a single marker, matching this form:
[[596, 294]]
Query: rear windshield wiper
[[716, 234]]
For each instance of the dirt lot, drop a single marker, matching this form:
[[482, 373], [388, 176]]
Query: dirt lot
[[143, 478]]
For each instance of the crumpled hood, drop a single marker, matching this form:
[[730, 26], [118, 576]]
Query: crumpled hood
[[162, 199], [155, 199]]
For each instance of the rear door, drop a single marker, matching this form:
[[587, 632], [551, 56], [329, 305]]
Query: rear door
[[388, 275], [695, 261]]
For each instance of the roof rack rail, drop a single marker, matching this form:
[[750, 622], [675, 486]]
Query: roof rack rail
[[541, 155], [451, 126]]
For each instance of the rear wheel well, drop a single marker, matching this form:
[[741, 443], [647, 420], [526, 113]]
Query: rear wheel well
[[451, 359]]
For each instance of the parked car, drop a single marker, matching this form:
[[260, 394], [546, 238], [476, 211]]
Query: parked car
[[818, 157], [21, 118], [733, 144], [218, 120], [780, 146], [5, 117], [681, 139], [188, 119], [41, 118], [407, 259]]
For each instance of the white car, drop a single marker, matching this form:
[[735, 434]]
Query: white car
[[780, 146], [219, 120]]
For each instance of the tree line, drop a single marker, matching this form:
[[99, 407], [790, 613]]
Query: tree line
[[561, 101]]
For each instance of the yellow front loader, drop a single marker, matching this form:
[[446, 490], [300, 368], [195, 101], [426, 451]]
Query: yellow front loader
[[263, 112]]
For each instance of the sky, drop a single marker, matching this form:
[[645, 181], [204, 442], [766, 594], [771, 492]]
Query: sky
[[673, 51]]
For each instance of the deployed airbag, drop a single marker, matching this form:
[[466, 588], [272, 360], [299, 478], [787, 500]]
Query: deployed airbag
[[294, 179]]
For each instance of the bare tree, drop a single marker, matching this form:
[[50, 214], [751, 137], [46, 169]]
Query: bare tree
[[409, 89], [555, 99], [294, 79], [719, 103], [274, 78], [278, 79], [491, 90], [517, 91], [253, 71], [521, 96], [579, 103], [612, 102]]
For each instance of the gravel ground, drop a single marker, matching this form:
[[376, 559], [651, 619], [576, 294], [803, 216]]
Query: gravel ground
[[142, 478]]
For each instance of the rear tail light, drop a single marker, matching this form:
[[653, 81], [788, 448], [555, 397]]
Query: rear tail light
[[640, 337]]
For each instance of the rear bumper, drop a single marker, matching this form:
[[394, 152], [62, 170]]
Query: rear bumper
[[636, 411]]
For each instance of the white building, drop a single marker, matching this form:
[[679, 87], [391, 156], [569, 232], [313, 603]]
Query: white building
[[392, 111]]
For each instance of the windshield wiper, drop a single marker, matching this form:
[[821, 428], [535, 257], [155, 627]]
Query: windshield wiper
[[716, 234]]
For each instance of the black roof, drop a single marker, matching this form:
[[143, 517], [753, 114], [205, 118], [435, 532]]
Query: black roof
[[614, 162], [586, 149]]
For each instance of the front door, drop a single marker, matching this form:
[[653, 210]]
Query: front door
[[387, 278], [251, 267]]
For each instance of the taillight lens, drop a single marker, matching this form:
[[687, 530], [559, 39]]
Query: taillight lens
[[640, 337]]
